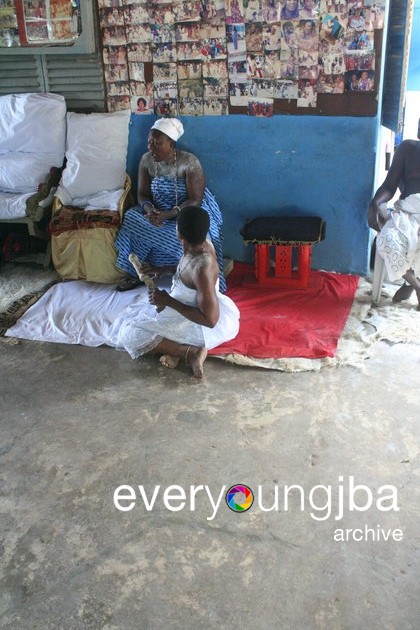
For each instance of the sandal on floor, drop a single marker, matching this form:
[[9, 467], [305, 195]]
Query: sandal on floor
[[129, 283], [403, 293]]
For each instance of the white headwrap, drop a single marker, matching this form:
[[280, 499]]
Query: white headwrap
[[172, 127]]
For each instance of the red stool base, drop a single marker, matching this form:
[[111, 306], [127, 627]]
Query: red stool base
[[274, 265]]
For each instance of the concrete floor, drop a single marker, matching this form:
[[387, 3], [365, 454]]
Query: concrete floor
[[79, 422]]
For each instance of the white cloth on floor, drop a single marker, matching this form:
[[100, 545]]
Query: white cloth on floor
[[91, 314], [398, 242], [75, 312], [140, 328]]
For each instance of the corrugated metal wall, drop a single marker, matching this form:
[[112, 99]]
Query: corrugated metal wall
[[79, 78]]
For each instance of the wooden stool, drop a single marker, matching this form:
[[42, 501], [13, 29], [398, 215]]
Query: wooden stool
[[283, 248]]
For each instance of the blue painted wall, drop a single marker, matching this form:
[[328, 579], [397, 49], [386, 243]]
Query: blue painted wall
[[319, 165]]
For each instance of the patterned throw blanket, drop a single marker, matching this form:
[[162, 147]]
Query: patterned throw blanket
[[69, 218]]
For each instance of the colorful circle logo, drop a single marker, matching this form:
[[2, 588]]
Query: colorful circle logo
[[239, 498]]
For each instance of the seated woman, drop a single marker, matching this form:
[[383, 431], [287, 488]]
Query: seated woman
[[168, 180], [398, 241]]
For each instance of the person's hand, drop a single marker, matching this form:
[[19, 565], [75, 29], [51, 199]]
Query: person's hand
[[377, 216], [157, 217], [158, 297]]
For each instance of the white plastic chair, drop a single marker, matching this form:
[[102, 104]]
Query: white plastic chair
[[379, 273]]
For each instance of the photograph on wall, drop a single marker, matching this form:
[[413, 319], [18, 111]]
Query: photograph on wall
[[164, 72], [187, 10], [308, 9], [139, 52], [117, 73], [360, 80], [162, 34], [162, 14], [253, 10], [262, 107], [118, 103], [162, 53], [289, 66], [115, 55], [111, 16], [254, 37], [377, 13], [237, 68], [307, 36], [215, 88], [235, 38], [289, 35], [9, 34], [239, 93], [362, 40], [285, 89], [271, 36], [216, 69], [307, 94], [188, 32], [141, 105], [330, 83], [215, 107], [136, 13], [234, 11], [211, 9], [332, 31], [359, 60], [189, 70], [165, 89], [190, 106], [166, 107], [136, 70], [114, 36], [262, 88], [271, 10]]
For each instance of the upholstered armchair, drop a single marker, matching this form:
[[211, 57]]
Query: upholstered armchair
[[91, 198]]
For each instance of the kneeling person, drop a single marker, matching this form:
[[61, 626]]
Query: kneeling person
[[194, 316]]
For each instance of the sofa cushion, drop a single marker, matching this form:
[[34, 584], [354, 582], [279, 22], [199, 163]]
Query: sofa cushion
[[32, 139], [96, 154]]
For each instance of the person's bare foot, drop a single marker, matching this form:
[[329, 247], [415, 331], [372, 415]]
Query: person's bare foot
[[168, 361], [403, 293], [196, 358]]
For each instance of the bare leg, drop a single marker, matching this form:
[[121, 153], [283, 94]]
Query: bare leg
[[403, 293], [193, 355], [414, 283]]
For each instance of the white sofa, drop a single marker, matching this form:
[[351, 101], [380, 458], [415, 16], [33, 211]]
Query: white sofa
[[32, 149]]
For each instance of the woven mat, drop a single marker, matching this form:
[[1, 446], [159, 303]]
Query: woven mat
[[15, 311]]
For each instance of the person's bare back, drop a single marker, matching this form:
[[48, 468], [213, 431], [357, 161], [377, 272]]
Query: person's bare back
[[192, 262]]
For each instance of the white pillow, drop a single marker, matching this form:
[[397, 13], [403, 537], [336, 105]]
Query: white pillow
[[23, 172], [96, 153], [33, 123]]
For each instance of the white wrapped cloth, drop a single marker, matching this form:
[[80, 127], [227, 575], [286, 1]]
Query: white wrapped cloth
[[140, 328], [398, 242]]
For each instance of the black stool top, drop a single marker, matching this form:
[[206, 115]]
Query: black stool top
[[286, 230]]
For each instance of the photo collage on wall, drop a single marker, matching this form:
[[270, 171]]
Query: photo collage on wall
[[39, 22], [207, 57]]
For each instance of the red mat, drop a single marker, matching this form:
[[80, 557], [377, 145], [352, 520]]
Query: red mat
[[279, 323]]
